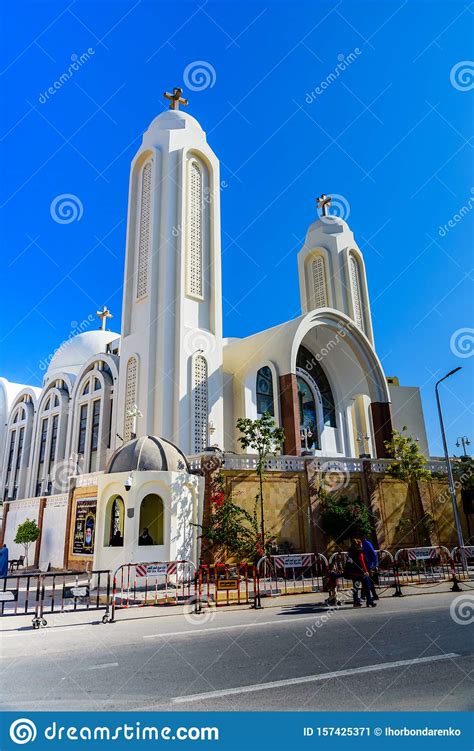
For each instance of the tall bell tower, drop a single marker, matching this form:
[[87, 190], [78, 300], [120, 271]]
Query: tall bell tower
[[171, 348]]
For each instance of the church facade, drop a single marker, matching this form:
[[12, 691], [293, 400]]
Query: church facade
[[171, 373]]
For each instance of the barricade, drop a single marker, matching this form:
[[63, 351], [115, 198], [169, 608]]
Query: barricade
[[383, 576], [290, 574], [226, 584], [425, 567], [40, 594], [137, 585]]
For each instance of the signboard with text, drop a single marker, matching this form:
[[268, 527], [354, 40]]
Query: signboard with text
[[83, 533]]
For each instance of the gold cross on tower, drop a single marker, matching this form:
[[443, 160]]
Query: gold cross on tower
[[103, 315], [323, 203], [176, 98]]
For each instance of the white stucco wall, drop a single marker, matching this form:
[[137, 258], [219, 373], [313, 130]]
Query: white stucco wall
[[54, 533], [407, 410], [18, 512]]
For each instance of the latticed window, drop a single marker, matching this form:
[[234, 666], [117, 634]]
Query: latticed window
[[130, 395], [265, 391], [201, 407], [144, 232], [194, 280], [356, 292], [319, 283]]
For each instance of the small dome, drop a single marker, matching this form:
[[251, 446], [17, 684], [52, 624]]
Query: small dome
[[174, 119], [147, 454], [74, 352]]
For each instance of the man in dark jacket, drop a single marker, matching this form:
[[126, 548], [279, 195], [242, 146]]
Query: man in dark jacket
[[372, 561]]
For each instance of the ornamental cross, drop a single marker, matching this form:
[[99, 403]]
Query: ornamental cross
[[103, 315], [176, 98], [323, 203]]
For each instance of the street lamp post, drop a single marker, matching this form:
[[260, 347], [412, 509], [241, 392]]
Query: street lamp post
[[463, 441], [452, 488]]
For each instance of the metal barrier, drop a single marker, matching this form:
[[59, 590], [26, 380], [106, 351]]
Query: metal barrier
[[153, 583], [226, 584], [384, 570], [290, 574], [425, 566], [40, 594]]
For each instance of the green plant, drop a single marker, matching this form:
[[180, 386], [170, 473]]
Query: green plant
[[343, 517], [463, 471], [231, 530], [263, 437], [27, 533]]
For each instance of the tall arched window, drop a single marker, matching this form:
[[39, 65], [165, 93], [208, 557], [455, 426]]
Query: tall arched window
[[265, 401], [151, 521], [200, 402], [308, 414], [51, 430], [92, 415], [130, 395], [356, 292], [144, 231], [195, 229], [114, 526], [320, 298]]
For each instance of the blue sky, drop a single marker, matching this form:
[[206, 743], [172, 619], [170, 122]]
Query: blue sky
[[390, 134]]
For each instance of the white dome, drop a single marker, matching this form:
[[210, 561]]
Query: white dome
[[74, 352], [174, 119]]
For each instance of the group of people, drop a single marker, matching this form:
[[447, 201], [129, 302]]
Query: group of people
[[116, 541], [360, 568]]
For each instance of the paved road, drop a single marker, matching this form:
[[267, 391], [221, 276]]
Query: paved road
[[407, 654]]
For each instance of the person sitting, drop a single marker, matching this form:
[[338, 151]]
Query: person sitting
[[116, 540], [145, 538]]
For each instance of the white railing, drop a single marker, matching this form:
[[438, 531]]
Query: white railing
[[297, 463]]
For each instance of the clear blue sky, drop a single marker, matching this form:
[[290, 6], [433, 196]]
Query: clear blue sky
[[390, 134]]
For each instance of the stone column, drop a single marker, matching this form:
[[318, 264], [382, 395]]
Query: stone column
[[382, 423], [290, 414]]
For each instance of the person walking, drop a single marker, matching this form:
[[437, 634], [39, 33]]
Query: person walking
[[356, 570], [372, 562]]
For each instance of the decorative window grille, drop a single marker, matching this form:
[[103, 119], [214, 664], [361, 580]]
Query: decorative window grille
[[201, 408], [130, 395], [356, 292], [144, 232], [319, 283], [265, 391], [194, 280]]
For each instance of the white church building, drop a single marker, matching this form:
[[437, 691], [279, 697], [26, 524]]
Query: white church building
[[169, 372]]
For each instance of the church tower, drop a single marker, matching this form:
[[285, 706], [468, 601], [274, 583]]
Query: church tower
[[332, 271], [171, 348]]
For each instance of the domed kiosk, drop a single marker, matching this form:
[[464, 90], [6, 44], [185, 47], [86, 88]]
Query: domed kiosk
[[149, 505]]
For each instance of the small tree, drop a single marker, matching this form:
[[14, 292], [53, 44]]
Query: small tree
[[409, 466], [27, 533], [263, 437], [343, 517], [232, 530]]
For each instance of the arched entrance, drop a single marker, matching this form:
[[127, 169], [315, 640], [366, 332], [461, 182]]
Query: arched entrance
[[151, 520]]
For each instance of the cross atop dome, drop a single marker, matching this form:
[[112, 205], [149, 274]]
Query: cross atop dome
[[103, 315], [176, 98], [323, 203]]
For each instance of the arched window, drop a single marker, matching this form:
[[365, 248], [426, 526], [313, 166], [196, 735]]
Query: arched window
[[151, 521], [195, 236], [114, 522], [17, 449], [92, 415], [318, 267], [265, 391], [144, 231], [51, 436], [308, 414], [130, 395], [356, 292], [308, 362], [200, 402]]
